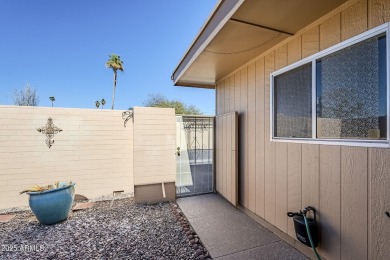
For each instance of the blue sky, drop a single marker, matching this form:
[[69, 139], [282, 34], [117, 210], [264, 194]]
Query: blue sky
[[60, 48]]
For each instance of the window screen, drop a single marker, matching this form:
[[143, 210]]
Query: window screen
[[292, 103], [351, 92]]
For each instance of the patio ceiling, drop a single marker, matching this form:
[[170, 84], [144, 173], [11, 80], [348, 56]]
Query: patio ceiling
[[239, 30]]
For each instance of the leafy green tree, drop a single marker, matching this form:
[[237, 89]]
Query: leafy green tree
[[158, 100], [114, 63], [97, 103], [103, 102], [52, 99], [27, 96]]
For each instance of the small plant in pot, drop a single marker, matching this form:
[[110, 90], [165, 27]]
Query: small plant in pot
[[52, 203]]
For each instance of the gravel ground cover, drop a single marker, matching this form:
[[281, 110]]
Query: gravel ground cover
[[124, 231]]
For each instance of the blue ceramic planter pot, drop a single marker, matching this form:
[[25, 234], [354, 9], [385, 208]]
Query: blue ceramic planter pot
[[52, 206]]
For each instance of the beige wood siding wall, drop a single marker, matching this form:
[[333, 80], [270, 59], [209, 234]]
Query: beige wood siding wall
[[94, 150], [154, 145], [226, 172], [348, 185]]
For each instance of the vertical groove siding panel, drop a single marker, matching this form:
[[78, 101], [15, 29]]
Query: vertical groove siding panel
[[379, 183], [224, 152], [281, 57], [330, 205], [330, 33], [227, 96], [219, 99], [234, 128], [237, 92], [219, 155], [243, 138], [232, 93], [260, 122], [354, 20], [216, 163], [311, 42], [294, 159], [378, 12], [281, 177], [222, 162], [281, 208], [237, 107], [229, 170], [310, 175], [217, 93], [222, 89], [369, 204], [294, 50], [269, 146], [251, 137], [294, 199], [218, 138], [294, 181], [223, 158], [228, 176], [353, 202]]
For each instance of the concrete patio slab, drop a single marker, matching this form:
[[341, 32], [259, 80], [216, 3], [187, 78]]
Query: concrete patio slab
[[228, 233], [6, 218], [82, 206], [204, 205], [276, 250]]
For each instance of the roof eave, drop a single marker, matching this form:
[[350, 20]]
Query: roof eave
[[217, 19], [194, 85]]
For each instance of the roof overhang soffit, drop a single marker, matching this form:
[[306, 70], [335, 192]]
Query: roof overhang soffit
[[238, 31]]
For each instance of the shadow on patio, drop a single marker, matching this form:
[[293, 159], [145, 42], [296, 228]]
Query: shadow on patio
[[228, 233]]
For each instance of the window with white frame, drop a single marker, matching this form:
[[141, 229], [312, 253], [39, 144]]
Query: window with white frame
[[338, 95]]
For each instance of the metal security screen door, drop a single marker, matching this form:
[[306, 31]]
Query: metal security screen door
[[194, 155]]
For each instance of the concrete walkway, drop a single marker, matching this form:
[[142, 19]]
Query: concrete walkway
[[228, 233]]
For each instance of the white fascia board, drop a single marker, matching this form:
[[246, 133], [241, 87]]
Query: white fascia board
[[208, 40]]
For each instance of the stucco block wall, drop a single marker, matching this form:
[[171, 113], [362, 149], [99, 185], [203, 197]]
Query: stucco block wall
[[154, 145], [94, 150], [348, 185]]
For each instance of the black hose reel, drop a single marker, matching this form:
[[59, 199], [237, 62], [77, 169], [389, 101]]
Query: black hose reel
[[300, 226]]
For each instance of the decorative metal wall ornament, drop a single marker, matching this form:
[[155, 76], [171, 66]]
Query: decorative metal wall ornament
[[196, 124], [126, 116], [49, 130], [196, 149], [195, 128]]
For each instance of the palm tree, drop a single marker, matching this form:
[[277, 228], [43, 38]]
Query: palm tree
[[97, 104], [114, 63], [52, 99], [103, 102]]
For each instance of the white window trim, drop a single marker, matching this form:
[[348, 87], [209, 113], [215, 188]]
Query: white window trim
[[384, 28]]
